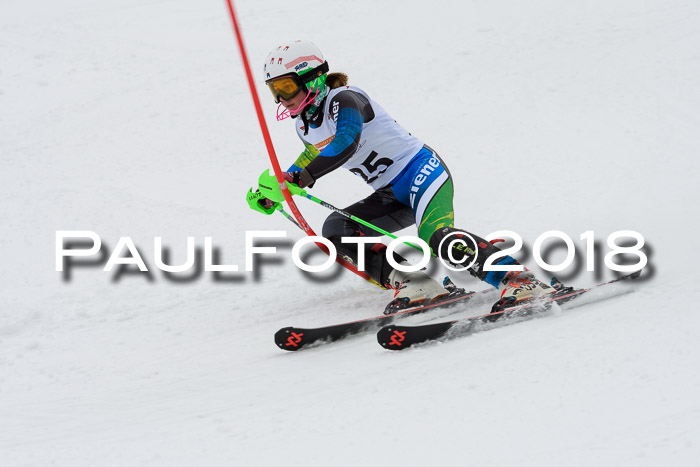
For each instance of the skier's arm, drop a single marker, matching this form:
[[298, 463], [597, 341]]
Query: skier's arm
[[353, 111], [304, 158]]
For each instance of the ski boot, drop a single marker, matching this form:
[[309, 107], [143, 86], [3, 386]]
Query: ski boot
[[414, 289], [518, 287], [452, 288]]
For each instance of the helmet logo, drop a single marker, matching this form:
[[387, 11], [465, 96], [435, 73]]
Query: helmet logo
[[279, 61], [301, 65], [286, 48], [298, 60]]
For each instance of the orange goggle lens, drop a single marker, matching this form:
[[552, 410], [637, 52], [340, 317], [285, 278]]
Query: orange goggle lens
[[285, 87]]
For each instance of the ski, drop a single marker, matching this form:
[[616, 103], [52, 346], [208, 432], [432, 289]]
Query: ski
[[393, 337], [293, 338]]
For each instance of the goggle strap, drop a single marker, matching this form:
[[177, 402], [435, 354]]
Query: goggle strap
[[315, 73]]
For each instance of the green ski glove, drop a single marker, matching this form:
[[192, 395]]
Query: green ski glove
[[270, 187], [258, 202]]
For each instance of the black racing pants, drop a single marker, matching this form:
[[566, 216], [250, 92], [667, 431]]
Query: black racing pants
[[382, 209]]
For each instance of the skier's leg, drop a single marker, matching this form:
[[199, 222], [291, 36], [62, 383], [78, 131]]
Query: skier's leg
[[380, 208], [414, 288], [428, 189], [441, 242], [435, 221], [514, 286]]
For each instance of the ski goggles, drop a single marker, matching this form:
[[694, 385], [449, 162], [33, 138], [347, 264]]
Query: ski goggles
[[289, 85], [285, 87]]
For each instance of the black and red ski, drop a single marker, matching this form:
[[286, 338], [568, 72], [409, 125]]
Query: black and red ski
[[394, 337], [292, 338]]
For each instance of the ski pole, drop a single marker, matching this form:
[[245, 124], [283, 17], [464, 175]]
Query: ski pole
[[308, 196], [268, 186], [344, 213], [291, 219]]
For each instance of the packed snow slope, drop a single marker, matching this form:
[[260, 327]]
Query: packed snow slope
[[134, 119]]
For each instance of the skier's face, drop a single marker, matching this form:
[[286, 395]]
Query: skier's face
[[293, 103]]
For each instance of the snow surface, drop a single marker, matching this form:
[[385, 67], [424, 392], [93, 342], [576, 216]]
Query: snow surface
[[133, 118]]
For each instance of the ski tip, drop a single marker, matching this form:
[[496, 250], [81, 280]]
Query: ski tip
[[392, 338], [290, 339]]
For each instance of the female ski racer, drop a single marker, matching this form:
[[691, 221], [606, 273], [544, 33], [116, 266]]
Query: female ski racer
[[341, 125]]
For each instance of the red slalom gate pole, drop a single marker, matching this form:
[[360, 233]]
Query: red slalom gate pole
[[271, 150]]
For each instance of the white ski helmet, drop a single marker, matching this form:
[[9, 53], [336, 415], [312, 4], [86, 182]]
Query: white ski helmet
[[302, 61]]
